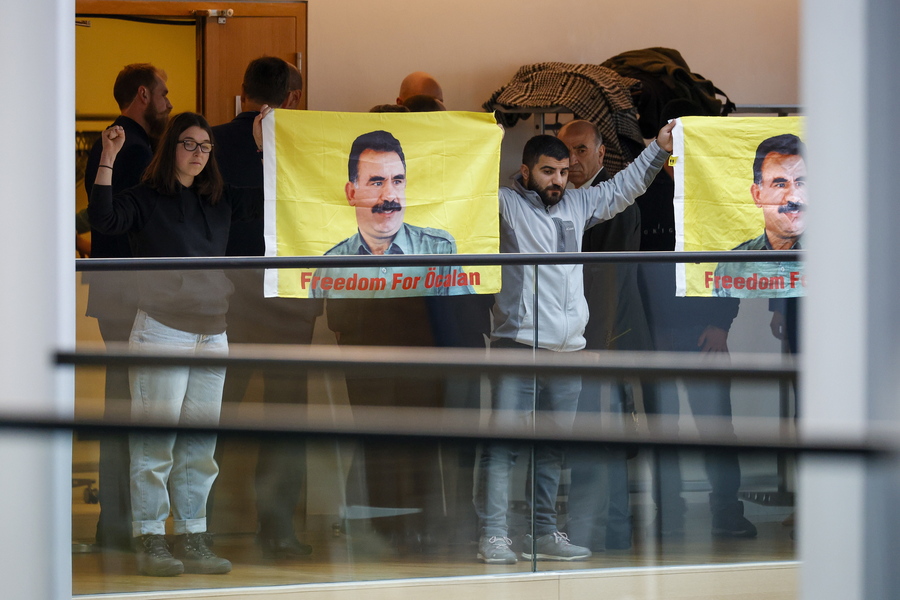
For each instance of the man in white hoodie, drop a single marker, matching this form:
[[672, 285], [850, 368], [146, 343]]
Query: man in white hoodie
[[537, 215]]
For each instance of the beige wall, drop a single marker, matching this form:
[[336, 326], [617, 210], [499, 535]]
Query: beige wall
[[360, 50]]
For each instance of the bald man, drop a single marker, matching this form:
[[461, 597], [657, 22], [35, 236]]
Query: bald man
[[613, 319], [419, 83], [599, 514]]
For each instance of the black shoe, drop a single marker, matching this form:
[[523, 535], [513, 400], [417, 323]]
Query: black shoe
[[666, 528], [731, 523], [193, 550], [114, 534], [618, 533], [154, 558], [283, 548], [109, 541], [618, 541]]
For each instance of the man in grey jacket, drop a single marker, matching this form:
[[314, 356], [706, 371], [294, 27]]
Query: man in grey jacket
[[539, 215]]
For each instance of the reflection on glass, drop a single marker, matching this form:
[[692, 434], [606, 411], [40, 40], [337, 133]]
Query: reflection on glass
[[292, 509]]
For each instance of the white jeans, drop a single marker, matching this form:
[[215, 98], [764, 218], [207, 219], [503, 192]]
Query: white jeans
[[181, 463]]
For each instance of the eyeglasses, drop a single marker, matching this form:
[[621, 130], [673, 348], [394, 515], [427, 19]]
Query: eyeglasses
[[191, 145]]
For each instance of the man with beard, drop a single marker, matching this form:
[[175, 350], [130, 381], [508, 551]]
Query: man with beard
[[539, 215], [779, 189], [141, 93], [377, 190]]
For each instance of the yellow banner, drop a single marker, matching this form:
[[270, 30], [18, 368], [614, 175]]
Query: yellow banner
[[740, 184], [352, 184]]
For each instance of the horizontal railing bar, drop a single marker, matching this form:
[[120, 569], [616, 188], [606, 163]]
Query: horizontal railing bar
[[426, 425], [527, 110], [781, 109], [423, 360], [740, 108], [561, 258]]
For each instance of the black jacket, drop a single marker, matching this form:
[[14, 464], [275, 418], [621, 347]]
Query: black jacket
[[616, 314], [185, 225], [664, 309], [130, 164], [113, 295], [251, 317], [240, 165]]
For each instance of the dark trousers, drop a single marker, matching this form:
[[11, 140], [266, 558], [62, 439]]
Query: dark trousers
[[706, 398], [114, 524], [280, 479], [387, 475], [599, 504]]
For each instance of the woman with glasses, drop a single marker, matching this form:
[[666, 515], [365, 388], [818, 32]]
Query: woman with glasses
[[181, 209]]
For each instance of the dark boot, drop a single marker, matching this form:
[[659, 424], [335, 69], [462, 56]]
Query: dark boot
[[194, 551], [729, 522], [154, 558]]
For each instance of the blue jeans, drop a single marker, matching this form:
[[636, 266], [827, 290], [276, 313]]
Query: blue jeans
[[180, 462], [517, 400]]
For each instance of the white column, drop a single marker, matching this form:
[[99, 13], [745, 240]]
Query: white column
[[37, 180], [851, 330]]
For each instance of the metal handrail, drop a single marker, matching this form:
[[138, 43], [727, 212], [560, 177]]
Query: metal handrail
[[550, 258], [782, 110], [427, 360], [443, 425]]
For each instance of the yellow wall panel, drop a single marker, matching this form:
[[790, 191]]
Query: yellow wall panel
[[102, 49]]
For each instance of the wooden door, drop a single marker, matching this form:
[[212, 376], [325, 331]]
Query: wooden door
[[229, 44], [225, 44]]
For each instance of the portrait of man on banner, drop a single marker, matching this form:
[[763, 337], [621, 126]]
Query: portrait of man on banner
[[405, 184], [376, 189], [740, 185], [779, 190]]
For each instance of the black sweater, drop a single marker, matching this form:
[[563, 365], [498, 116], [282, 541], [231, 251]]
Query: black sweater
[[185, 225]]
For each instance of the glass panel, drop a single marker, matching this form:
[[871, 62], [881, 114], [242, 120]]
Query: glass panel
[[665, 507], [306, 509], [633, 506], [334, 511]]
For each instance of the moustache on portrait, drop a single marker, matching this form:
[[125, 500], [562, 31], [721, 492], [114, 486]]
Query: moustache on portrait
[[791, 208], [387, 206]]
